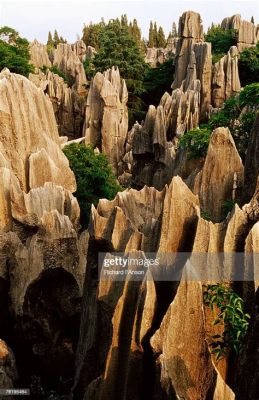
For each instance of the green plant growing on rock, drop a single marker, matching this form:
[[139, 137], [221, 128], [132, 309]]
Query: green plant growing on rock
[[230, 314], [221, 40], [196, 142], [227, 207], [94, 177]]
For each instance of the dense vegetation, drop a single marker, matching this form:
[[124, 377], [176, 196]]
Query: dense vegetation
[[14, 52], [221, 40], [230, 314], [156, 37], [248, 65], [238, 114], [54, 40], [94, 177]]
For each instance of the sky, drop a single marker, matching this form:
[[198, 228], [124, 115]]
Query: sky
[[33, 19]]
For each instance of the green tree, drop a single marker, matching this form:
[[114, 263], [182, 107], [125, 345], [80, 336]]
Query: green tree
[[151, 38], [252, 20], [94, 177], [14, 52], [155, 34], [50, 42], [174, 30], [117, 47], [136, 32], [56, 38], [221, 40], [161, 42], [248, 65]]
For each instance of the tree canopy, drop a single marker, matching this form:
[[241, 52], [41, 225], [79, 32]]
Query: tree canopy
[[94, 178], [14, 52], [221, 40]]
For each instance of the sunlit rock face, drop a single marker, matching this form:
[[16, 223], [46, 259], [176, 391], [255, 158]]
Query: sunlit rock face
[[106, 119], [247, 32], [225, 78], [68, 58], [42, 254], [68, 106], [39, 55]]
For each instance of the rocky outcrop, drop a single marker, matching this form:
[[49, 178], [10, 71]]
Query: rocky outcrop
[[151, 146], [106, 120], [68, 58], [68, 106], [193, 56], [229, 173], [157, 56], [42, 255], [225, 78], [8, 372], [251, 163], [39, 55], [247, 32]]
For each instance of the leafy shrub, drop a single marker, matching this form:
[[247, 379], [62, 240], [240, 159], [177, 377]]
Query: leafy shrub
[[196, 141], [248, 65], [221, 40], [14, 52], [231, 315], [94, 177], [249, 96]]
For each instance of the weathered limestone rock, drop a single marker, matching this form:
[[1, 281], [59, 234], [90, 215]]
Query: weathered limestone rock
[[251, 163], [151, 147], [69, 58], [177, 343], [68, 105], [157, 56], [195, 55], [42, 257], [106, 122], [222, 164], [225, 78], [8, 372], [39, 55], [29, 142], [247, 31]]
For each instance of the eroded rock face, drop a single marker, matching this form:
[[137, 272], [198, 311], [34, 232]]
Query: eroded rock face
[[106, 122], [69, 59], [247, 31], [225, 78], [42, 256], [157, 56], [39, 54], [68, 106], [251, 163], [193, 55], [227, 172]]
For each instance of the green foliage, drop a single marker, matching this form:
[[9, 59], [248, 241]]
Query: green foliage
[[196, 141], [231, 315], [91, 34], [14, 52], [239, 123], [248, 65], [118, 47], [221, 40], [249, 96], [54, 40], [94, 177], [205, 215], [227, 207], [156, 37], [157, 81]]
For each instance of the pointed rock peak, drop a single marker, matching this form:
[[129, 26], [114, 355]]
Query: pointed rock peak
[[190, 25]]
